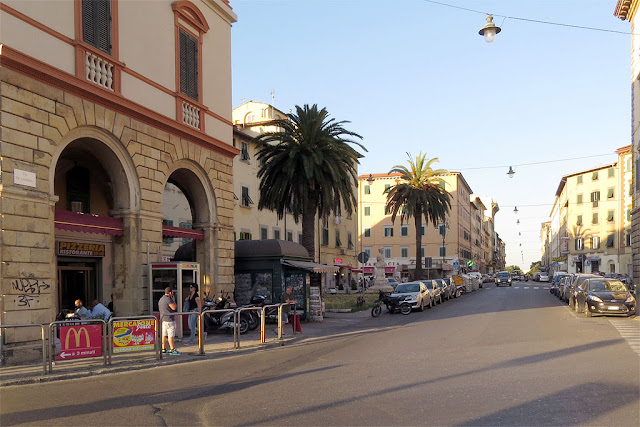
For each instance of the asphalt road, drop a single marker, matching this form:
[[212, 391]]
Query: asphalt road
[[500, 356]]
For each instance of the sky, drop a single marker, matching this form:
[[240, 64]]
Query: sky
[[414, 76]]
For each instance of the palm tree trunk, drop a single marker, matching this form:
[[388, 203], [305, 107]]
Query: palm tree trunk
[[309, 229], [418, 220]]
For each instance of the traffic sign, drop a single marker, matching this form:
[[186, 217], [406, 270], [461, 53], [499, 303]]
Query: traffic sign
[[363, 257], [456, 265]]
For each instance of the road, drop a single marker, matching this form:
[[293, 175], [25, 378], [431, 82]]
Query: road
[[500, 356]]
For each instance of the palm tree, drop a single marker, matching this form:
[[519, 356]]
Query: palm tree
[[418, 194], [308, 167]]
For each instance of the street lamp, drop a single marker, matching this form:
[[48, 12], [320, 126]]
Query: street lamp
[[511, 172], [370, 179], [443, 230], [515, 210], [518, 222], [490, 30]]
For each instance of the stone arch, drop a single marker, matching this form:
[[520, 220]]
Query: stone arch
[[113, 156], [194, 182]]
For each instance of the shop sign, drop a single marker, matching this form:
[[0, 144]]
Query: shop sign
[[133, 335], [559, 259], [80, 249], [337, 260], [79, 341]]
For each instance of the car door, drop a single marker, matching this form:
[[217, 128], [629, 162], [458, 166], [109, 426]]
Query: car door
[[424, 295]]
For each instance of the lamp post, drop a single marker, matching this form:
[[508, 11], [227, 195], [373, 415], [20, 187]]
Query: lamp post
[[443, 231]]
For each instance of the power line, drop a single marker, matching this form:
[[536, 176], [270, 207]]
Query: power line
[[539, 163], [581, 27]]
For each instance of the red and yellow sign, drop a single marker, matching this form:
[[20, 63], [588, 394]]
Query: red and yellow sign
[[133, 335], [80, 341]]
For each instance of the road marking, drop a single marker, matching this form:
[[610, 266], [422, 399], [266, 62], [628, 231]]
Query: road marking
[[536, 287], [630, 332], [546, 287], [516, 287], [526, 287]]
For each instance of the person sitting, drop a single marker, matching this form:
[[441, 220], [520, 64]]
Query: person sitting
[[81, 311], [99, 311]]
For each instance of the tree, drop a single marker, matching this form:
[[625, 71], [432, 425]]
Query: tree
[[308, 167], [419, 194]]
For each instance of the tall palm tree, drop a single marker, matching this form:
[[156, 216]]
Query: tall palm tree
[[308, 167], [418, 194]]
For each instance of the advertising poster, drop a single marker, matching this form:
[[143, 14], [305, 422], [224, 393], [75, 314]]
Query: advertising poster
[[133, 335], [80, 341]]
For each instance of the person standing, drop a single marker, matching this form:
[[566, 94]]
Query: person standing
[[286, 298], [166, 306], [193, 303]]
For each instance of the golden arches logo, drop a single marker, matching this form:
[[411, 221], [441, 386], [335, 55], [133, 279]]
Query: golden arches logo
[[77, 333]]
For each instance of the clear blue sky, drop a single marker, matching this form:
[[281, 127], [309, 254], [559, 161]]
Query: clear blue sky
[[415, 76]]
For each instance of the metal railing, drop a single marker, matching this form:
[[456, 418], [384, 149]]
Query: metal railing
[[110, 330], [43, 337], [237, 323], [76, 322], [263, 338], [200, 327]]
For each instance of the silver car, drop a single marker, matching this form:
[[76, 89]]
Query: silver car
[[415, 294]]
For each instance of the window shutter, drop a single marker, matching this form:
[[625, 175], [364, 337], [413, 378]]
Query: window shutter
[[96, 23], [188, 65]]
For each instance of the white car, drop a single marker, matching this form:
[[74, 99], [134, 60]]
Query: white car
[[544, 277], [415, 294]]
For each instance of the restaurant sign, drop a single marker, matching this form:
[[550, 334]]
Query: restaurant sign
[[80, 249]]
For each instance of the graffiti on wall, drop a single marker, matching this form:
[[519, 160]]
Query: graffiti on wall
[[29, 290]]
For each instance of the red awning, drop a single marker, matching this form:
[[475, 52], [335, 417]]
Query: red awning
[[389, 270], [87, 223], [356, 270], [170, 231], [368, 270]]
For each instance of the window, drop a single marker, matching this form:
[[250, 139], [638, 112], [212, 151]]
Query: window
[[167, 240], [367, 251], [387, 187], [628, 239], [246, 200], [300, 238], [594, 218], [244, 154], [579, 244], [388, 231], [594, 176], [610, 216], [367, 232], [422, 251], [96, 24], [338, 242], [579, 220], [404, 252], [610, 240], [188, 65], [349, 240], [610, 172], [290, 236], [422, 230], [610, 193], [629, 215], [579, 199], [367, 189], [245, 235], [276, 233], [595, 198], [234, 143], [264, 233], [367, 211], [442, 230], [443, 251], [387, 252], [595, 242], [325, 237], [387, 209], [404, 230], [79, 189], [579, 179]]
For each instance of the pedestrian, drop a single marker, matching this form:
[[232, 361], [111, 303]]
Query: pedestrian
[[286, 298], [81, 311], [193, 303], [98, 311], [166, 306]]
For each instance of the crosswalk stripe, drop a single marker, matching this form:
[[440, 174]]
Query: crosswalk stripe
[[526, 287], [535, 287], [629, 332]]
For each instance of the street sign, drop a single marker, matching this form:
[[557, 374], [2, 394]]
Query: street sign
[[456, 265], [428, 262], [363, 257], [79, 341]]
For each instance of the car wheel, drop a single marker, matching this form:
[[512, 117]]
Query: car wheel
[[458, 293], [421, 305], [509, 284], [587, 313], [405, 309]]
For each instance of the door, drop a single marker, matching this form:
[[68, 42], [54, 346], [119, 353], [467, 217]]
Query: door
[[76, 282]]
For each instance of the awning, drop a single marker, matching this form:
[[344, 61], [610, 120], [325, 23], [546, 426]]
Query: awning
[[170, 231], [311, 266], [356, 270], [367, 270], [87, 223], [389, 270]]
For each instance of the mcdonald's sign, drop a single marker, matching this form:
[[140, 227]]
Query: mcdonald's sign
[[80, 341]]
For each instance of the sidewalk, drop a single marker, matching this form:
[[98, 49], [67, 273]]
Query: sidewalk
[[218, 345]]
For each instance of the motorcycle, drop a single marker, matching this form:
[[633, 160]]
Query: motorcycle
[[224, 320], [392, 304]]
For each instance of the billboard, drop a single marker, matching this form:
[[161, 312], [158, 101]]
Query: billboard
[[133, 335], [80, 341]]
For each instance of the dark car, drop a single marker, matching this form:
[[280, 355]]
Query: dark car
[[445, 289], [503, 278], [450, 287], [601, 295], [571, 286]]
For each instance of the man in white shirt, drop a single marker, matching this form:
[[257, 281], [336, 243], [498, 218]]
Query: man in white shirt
[[99, 311]]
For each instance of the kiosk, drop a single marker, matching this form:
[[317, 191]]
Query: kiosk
[[177, 275]]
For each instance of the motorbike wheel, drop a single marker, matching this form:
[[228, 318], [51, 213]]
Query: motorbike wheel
[[254, 321], [405, 309], [244, 325], [376, 311]]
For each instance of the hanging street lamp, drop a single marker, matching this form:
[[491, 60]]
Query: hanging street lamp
[[490, 30], [511, 172], [515, 210]]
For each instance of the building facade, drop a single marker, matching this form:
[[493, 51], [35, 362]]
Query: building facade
[[628, 10], [105, 109]]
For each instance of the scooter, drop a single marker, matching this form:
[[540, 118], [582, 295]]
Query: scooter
[[225, 320], [392, 304]]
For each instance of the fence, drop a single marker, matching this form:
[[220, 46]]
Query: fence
[[125, 338], [43, 337], [78, 336]]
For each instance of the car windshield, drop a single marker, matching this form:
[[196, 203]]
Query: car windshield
[[607, 286], [408, 287], [446, 280], [504, 275]]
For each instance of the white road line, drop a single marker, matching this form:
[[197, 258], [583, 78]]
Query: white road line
[[516, 287], [526, 287], [536, 287], [629, 332], [546, 287]]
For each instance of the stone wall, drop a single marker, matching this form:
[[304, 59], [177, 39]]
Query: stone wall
[[38, 120]]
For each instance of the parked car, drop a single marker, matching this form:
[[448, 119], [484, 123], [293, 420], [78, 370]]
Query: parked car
[[573, 283], [434, 289], [601, 295], [416, 294], [393, 282], [448, 287], [503, 278], [544, 277]]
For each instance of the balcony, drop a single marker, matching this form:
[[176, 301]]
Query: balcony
[[97, 70]]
